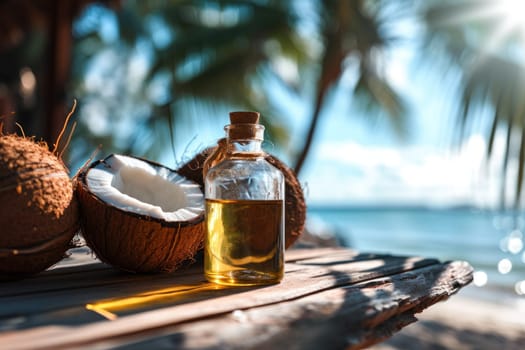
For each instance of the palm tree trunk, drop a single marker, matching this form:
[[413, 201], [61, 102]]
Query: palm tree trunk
[[59, 60], [311, 132], [330, 73]]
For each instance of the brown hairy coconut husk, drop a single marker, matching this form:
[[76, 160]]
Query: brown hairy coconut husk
[[39, 214], [129, 239], [295, 207]]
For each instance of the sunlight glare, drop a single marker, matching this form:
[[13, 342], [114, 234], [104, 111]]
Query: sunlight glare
[[480, 278], [514, 12], [509, 16], [108, 308]]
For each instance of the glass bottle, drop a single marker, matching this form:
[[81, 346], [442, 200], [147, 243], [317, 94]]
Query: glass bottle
[[244, 242]]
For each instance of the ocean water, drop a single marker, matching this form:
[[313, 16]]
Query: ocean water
[[493, 243]]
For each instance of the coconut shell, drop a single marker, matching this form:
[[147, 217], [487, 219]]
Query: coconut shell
[[295, 207], [39, 215], [132, 242]]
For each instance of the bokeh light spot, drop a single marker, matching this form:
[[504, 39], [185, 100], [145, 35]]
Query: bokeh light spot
[[480, 278], [515, 242], [520, 287], [504, 266], [27, 80]]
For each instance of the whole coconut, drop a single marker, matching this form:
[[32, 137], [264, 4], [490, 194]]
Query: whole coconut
[[39, 213]]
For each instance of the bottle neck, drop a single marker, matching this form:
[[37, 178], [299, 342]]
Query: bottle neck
[[245, 148], [245, 140]]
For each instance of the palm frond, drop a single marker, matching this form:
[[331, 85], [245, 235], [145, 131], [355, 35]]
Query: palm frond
[[521, 166], [376, 96], [491, 81], [212, 61]]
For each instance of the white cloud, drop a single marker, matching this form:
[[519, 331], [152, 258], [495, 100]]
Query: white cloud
[[347, 172]]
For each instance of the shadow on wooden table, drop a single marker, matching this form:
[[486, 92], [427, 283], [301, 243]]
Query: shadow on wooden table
[[364, 310], [76, 295], [377, 307], [435, 335], [330, 298], [367, 307]]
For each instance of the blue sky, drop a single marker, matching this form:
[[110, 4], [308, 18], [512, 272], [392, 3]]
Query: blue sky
[[358, 162], [356, 159]]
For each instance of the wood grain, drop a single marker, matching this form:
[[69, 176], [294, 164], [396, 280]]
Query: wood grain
[[329, 296]]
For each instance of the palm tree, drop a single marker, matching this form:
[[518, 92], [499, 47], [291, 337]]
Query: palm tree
[[223, 53], [484, 39], [353, 29], [216, 53]]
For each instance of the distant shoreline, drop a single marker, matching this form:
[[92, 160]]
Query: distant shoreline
[[480, 237], [421, 208]]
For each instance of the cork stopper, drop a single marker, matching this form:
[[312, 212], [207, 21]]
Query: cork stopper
[[245, 126], [244, 117]]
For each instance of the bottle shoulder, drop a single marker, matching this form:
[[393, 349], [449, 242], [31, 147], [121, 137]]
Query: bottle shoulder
[[241, 179], [244, 166]]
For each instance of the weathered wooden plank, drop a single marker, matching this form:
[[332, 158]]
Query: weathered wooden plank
[[294, 255], [60, 296], [78, 277], [90, 273], [349, 317], [353, 315], [301, 279]]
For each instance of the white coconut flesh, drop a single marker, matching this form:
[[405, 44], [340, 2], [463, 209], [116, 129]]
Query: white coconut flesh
[[136, 186]]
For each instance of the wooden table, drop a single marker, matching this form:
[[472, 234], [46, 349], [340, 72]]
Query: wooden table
[[331, 298]]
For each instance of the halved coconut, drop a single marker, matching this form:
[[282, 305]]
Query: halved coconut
[[140, 216]]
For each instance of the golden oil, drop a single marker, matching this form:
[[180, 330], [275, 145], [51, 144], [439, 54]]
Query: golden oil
[[244, 242]]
